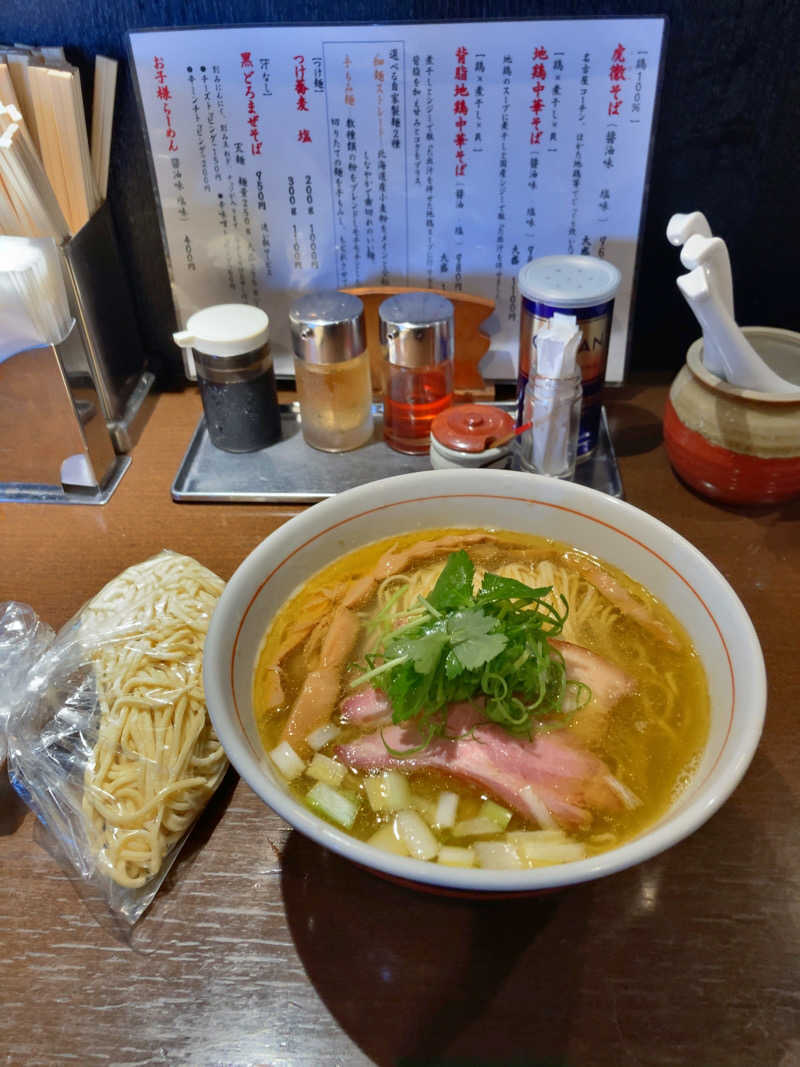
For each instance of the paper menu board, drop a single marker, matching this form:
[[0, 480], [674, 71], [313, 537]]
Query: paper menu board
[[442, 155]]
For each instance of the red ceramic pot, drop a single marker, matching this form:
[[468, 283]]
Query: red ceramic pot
[[735, 445]]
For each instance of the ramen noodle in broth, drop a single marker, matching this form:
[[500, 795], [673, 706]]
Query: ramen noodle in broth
[[415, 695]]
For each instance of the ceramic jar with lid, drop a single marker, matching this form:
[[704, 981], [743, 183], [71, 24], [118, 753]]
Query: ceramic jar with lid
[[464, 436]]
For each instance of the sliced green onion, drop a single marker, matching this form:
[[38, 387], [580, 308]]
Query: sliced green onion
[[323, 736], [287, 761], [340, 808], [386, 839], [500, 816], [480, 826], [499, 855], [456, 856], [389, 665], [387, 791], [324, 769], [416, 835], [446, 809]]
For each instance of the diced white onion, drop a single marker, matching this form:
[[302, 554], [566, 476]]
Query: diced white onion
[[547, 852], [455, 856], [628, 798], [480, 826], [325, 769], [323, 736], [499, 855], [287, 761], [498, 815], [539, 837], [538, 808], [415, 835], [387, 791], [425, 807], [446, 810], [336, 806], [386, 839]]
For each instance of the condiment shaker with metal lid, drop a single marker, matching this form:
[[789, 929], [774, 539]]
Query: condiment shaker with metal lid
[[237, 381], [332, 370], [416, 331]]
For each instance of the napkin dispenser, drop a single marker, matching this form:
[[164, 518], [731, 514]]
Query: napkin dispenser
[[71, 411]]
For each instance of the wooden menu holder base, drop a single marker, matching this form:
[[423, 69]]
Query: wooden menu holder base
[[471, 345]]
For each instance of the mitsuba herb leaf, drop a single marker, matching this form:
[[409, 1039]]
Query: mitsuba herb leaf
[[490, 647], [452, 665], [495, 588], [474, 653], [473, 641], [453, 590], [426, 651]]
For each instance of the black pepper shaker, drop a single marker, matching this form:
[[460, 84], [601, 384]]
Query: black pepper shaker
[[234, 369]]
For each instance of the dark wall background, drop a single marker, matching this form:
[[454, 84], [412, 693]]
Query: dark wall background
[[726, 140]]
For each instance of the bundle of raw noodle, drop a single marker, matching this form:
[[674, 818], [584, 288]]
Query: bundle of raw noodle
[[156, 760]]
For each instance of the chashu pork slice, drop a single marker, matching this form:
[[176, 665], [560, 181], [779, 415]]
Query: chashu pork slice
[[547, 779]]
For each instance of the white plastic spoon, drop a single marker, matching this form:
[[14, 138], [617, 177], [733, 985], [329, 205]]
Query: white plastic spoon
[[742, 365], [711, 253], [681, 227], [693, 232]]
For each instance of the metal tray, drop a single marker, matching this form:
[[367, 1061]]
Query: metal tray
[[290, 471]]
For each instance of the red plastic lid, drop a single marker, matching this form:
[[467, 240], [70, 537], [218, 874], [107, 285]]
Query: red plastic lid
[[471, 427]]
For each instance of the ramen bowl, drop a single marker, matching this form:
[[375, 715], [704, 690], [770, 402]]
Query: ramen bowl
[[647, 550]]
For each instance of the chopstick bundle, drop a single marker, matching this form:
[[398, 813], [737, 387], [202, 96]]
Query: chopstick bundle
[[83, 199], [28, 192], [64, 146], [51, 183]]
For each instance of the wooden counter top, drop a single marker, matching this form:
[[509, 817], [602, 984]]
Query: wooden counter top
[[263, 948]]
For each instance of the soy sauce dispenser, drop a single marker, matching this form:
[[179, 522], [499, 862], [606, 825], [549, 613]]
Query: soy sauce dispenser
[[416, 331]]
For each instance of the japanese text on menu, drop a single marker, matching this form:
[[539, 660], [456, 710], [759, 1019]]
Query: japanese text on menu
[[294, 158]]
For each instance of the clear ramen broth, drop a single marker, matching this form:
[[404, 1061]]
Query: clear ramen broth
[[640, 734]]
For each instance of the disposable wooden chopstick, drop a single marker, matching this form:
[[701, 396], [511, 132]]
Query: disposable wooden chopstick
[[49, 149], [9, 114], [74, 145], [105, 85], [8, 95], [20, 67], [19, 194], [10, 222], [28, 189], [52, 54], [35, 174]]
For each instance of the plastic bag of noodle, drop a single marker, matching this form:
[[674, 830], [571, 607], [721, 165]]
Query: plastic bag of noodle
[[23, 639], [112, 745]]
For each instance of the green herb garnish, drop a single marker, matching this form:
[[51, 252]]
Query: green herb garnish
[[455, 645]]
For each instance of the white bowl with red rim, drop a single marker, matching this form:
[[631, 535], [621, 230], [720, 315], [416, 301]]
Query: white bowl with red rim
[[644, 548]]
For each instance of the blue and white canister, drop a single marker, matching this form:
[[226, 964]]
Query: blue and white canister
[[583, 286]]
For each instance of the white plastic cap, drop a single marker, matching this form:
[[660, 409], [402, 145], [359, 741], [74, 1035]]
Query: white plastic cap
[[225, 330], [569, 281]]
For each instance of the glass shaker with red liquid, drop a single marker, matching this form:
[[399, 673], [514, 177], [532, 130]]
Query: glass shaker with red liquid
[[416, 331]]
